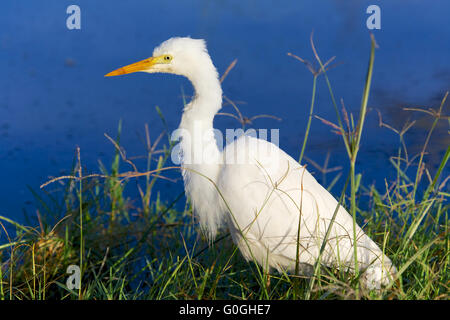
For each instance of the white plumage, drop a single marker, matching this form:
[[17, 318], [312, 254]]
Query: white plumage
[[256, 189]]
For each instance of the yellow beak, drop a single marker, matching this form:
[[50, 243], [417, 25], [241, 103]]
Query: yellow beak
[[134, 67]]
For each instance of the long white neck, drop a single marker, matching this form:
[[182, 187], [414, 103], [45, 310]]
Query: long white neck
[[201, 158], [206, 102]]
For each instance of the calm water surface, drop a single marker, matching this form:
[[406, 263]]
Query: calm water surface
[[53, 96]]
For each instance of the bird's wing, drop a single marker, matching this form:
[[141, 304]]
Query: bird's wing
[[268, 193]]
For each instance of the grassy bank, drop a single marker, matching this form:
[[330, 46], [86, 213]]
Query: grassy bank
[[144, 248]]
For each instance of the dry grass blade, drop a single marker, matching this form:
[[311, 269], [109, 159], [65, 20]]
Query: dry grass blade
[[124, 175], [329, 123], [243, 120], [346, 118], [231, 66], [121, 152], [306, 62], [431, 112], [311, 68], [264, 116], [383, 124], [229, 115], [323, 169], [235, 108]]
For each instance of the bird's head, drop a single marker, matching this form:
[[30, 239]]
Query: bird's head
[[182, 56]]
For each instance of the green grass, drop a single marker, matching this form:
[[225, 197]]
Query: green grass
[[145, 248]]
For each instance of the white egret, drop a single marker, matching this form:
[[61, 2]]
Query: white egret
[[266, 198]]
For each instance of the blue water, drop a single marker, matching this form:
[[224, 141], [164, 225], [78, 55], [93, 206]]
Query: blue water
[[53, 96]]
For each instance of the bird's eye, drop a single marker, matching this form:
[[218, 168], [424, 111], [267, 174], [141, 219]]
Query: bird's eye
[[167, 58]]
